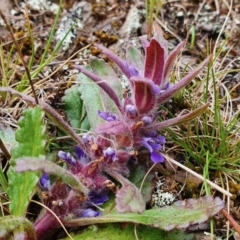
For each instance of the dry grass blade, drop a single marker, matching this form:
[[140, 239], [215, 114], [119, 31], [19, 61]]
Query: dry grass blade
[[213, 185], [20, 55]]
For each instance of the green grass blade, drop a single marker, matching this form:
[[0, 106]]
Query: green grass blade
[[51, 34]]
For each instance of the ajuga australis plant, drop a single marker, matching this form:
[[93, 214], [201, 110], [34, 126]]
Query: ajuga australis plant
[[125, 139], [110, 151]]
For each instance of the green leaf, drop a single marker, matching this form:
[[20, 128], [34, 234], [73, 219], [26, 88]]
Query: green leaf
[[31, 142], [137, 176], [103, 70], [91, 96], [73, 106], [33, 164], [180, 215], [18, 225], [117, 232], [135, 58], [94, 97]]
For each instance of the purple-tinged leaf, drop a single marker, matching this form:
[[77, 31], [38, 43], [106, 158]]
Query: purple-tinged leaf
[[102, 84], [34, 164], [180, 215], [144, 94], [154, 62], [122, 133], [183, 82], [158, 36], [128, 198], [123, 65], [170, 61], [181, 119], [105, 71]]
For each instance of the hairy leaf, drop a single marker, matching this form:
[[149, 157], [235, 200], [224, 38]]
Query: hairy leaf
[[180, 215], [182, 83], [123, 65], [128, 198], [181, 119], [33, 164], [135, 58], [117, 232], [73, 106], [100, 82], [119, 130], [103, 70], [8, 224], [31, 143], [154, 62], [144, 94], [90, 94], [170, 61]]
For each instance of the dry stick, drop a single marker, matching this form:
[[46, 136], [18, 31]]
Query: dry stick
[[4, 150], [223, 191], [20, 55]]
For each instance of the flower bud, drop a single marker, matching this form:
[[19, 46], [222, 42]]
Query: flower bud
[[131, 111], [147, 120]]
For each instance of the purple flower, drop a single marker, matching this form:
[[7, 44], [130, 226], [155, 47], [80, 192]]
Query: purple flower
[[107, 116], [131, 111], [79, 154], [98, 198], [147, 120], [87, 138], [45, 182], [110, 153], [90, 213], [67, 157], [154, 145]]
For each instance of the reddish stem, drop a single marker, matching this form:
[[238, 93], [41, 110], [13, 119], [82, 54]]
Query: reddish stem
[[231, 220], [46, 226]]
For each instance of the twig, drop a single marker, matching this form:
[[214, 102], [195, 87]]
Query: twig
[[213, 185], [4, 150], [231, 220]]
